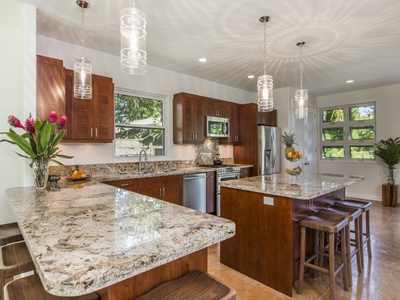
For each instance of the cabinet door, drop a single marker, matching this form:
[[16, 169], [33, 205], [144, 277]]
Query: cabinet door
[[267, 118], [245, 172], [210, 192], [188, 123], [103, 108], [215, 108], [50, 87], [233, 111], [167, 188]]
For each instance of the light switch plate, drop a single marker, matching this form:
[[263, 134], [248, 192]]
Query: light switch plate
[[268, 201]]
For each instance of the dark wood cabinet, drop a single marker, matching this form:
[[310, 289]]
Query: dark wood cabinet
[[247, 151], [215, 108], [91, 120], [50, 87], [267, 118], [167, 188], [188, 121], [233, 110], [245, 172], [128, 184], [210, 191]]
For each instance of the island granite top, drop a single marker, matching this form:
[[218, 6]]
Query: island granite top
[[85, 239], [303, 187]]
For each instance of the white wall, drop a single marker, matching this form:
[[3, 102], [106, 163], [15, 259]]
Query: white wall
[[387, 125], [18, 87], [156, 81]]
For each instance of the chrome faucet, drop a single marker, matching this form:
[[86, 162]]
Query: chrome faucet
[[140, 159]]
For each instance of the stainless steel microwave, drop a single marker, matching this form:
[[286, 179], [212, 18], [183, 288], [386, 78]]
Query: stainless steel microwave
[[217, 127]]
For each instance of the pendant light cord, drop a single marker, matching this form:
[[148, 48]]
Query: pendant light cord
[[265, 47], [83, 33], [301, 67]]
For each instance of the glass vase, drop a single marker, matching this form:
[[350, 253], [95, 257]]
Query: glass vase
[[40, 168], [391, 174]]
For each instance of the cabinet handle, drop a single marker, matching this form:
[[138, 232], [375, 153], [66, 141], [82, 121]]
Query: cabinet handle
[[91, 132], [124, 184], [95, 132], [193, 136]]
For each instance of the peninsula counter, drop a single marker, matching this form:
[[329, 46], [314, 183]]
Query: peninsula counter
[[266, 211], [120, 244]]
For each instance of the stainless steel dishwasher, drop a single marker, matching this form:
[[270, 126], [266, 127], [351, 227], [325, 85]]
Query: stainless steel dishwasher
[[194, 191]]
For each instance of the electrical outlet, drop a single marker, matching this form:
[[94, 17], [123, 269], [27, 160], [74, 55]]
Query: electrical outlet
[[268, 201]]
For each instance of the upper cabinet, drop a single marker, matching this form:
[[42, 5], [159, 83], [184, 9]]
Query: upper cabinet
[[88, 120], [215, 108], [188, 121], [267, 118], [91, 120], [50, 87]]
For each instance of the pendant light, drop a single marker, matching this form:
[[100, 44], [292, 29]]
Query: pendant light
[[265, 82], [82, 66], [133, 41], [301, 95]]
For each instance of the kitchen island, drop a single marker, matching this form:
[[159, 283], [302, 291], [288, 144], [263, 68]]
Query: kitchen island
[[120, 244], [266, 211]]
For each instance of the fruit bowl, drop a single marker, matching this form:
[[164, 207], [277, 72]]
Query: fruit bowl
[[78, 175], [294, 171], [294, 156]]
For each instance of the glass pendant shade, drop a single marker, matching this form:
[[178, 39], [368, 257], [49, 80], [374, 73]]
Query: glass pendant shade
[[82, 78], [301, 104], [133, 41], [265, 97]]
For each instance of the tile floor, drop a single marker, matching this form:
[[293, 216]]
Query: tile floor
[[379, 280]]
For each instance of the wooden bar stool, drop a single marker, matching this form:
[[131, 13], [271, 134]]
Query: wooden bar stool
[[353, 215], [365, 206], [195, 285], [14, 259], [331, 224], [10, 233], [31, 288]]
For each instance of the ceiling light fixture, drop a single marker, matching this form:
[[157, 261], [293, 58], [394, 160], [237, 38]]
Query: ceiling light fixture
[[350, 81], [133, 41], [250, 76], [301, 95], [82, 66], [202, 59], [265, 82]]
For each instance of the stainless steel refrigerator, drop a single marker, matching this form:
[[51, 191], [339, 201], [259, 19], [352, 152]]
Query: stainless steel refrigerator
[[269, 150]]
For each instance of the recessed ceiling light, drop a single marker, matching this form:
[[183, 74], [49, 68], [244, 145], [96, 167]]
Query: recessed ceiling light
[[350, 81], [202, 59], [250, 76]]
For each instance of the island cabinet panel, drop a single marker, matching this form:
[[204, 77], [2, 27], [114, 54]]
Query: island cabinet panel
[[91, 120], [144, 282], [50, 87], [266, 246], [188, 121]]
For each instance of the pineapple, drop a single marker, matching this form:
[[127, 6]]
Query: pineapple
[[289, 139]]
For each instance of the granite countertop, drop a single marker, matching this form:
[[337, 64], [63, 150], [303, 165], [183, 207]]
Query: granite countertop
[[83, 240], [303, 187]]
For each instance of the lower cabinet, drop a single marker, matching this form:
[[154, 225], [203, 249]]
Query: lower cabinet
[[210, 192], [167, 188], [245, 172]]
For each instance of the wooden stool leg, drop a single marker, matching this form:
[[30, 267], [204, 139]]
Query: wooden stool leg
[[368, 231], [348, 256], [302, 259], [358, 244], [343, 259], [332, 264], [360, 232], [316, 249]]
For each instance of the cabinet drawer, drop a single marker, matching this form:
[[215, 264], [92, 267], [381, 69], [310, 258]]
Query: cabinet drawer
[[161, 181], [129, 184]]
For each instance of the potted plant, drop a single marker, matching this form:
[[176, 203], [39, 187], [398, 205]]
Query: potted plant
[[389, 152]]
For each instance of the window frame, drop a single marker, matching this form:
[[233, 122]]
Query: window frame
[[164, 127], [347, 125]]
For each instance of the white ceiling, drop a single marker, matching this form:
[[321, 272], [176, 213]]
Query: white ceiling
[[345, 39]]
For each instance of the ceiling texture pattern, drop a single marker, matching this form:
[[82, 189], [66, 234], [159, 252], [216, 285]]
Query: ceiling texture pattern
[[345, 39]]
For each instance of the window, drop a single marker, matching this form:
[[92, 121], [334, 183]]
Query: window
[[139, 124], [348, 132]]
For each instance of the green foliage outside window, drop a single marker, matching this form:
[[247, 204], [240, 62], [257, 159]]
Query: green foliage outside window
[[362, 133], [363, 152], [360, 113], [333, 152], [333, 115]]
